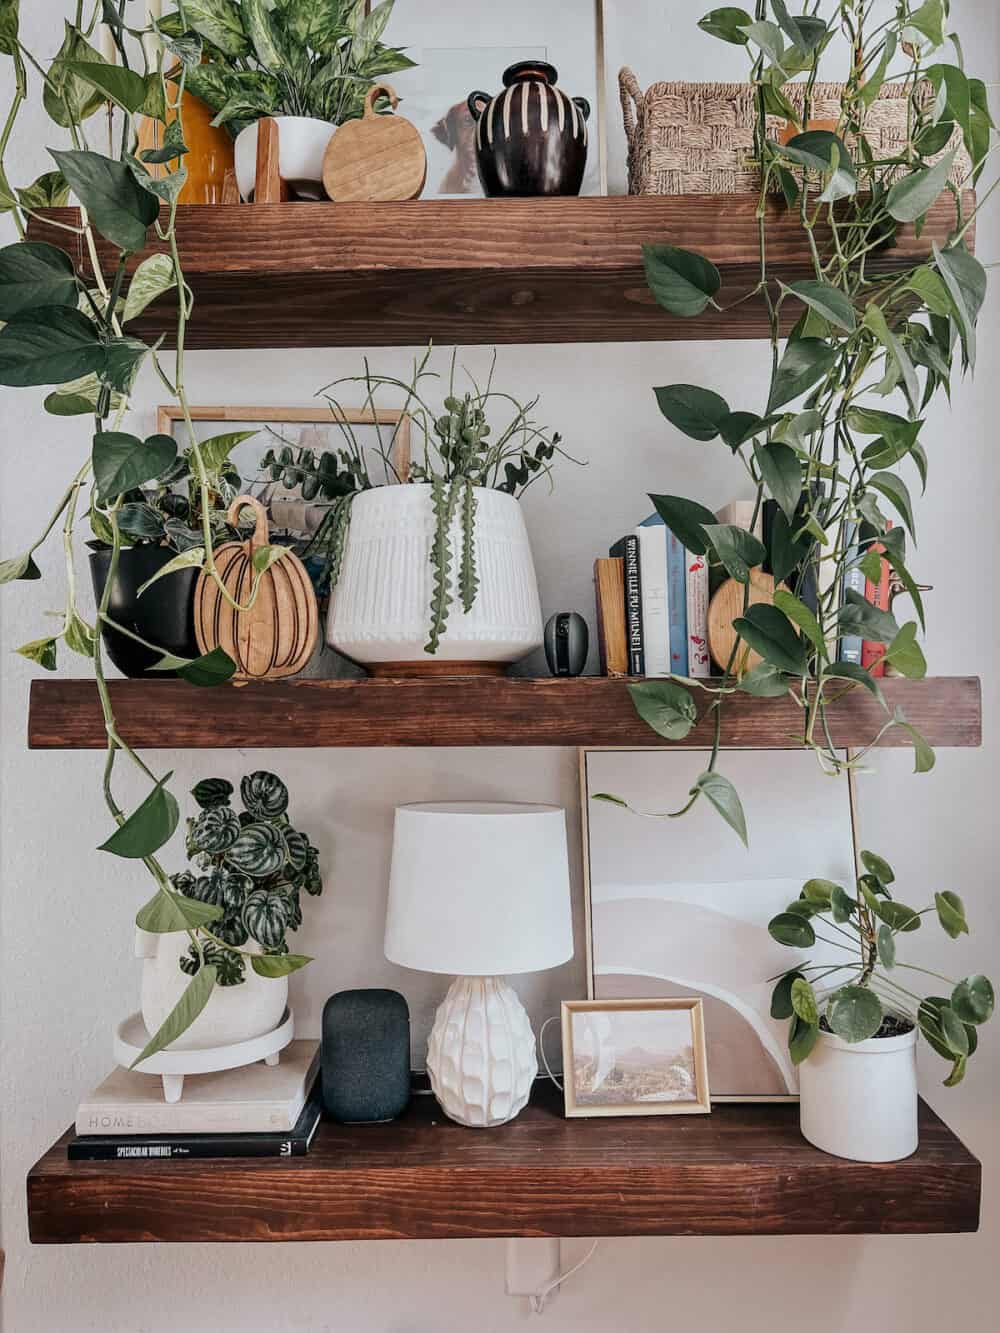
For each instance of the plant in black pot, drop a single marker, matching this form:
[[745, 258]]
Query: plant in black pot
[[163, 520]]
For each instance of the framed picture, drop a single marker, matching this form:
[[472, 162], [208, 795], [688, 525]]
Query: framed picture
[[462, 47], [634, 1057], [679, 907]]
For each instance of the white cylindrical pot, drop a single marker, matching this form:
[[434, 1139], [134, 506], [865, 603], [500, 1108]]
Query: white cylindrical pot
[[233, 1013], [302, 143], [481, 1054], [860, 1101], [380, 608]]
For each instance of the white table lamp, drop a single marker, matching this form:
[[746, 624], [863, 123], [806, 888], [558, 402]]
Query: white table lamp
[[479, 890]]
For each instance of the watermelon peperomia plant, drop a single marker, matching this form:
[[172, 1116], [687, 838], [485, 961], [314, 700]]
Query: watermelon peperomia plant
[[845, 395]]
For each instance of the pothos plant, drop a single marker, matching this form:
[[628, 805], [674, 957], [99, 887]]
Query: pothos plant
[[873, 1000], [69, 331], [479, 437], [250, 870], [835, 442]]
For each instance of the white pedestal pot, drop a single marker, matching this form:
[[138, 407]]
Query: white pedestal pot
[[380, 609], [302, 143], [233, 1013], [860, 1101]]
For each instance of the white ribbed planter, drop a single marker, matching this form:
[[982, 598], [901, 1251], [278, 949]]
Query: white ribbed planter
[[380, 609], [481, 1054], [860, 1101], [302, 144], [233, 1013]]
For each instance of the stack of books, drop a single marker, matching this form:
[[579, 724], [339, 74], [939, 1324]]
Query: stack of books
[[254, 1111], [652, 599]]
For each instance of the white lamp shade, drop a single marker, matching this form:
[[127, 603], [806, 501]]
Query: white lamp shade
[[479, 889]]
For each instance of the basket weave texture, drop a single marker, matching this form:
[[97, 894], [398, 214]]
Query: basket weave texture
[[697, 138]]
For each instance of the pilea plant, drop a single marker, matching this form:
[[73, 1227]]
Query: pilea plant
[[251, 867], [873, 1001], [71, 334], [848, 390]]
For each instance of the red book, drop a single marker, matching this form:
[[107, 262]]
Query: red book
[[878, 594]]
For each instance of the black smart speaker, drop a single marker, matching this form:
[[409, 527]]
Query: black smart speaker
[[566, 643], [366, 1055]]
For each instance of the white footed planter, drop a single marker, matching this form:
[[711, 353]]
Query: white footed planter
[[380, 609], [233, 1013], [302, 143], [860, 1101]]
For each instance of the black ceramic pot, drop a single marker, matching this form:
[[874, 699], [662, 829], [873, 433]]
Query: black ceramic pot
[[164, 614], [532, 138]]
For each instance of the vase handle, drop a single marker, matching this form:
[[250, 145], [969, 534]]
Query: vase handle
[[584, 106], [473, 102]]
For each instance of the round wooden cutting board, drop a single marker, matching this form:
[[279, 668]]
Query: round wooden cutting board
[[376, 157], [725, 607]]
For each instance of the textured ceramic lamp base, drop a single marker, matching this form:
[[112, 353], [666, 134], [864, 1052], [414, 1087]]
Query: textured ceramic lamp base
[[481, 1055]]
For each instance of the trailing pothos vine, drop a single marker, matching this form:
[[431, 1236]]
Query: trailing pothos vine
[[823, 450], [70, 332]]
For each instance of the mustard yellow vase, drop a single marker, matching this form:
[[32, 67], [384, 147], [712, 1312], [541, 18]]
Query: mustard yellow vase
[[210, 153]]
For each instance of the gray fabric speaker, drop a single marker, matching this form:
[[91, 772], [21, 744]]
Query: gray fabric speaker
[[366, 1055]]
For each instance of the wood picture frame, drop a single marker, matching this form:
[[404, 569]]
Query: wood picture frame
[[676, 1081]]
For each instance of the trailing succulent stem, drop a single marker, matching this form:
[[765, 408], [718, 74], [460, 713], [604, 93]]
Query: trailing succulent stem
[[468, 579], [444, 500]]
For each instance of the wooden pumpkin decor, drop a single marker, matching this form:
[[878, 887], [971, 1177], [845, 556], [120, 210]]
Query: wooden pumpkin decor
[[277, 635], [375, 158]]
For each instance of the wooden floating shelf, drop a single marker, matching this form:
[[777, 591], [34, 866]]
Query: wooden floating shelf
[[590, 710], [471, 271], [742, 1171]]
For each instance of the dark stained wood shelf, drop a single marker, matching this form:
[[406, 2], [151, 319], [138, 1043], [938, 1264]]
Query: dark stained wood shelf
[[590, 710], [742, 1171], [471, 271]]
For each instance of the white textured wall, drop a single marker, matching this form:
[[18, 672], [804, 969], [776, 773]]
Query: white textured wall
[[67, 972]]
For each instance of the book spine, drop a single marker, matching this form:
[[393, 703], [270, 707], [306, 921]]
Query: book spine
[[872, 653], [699, 662], [119, 1150], [677, 605], [849, 645], [653, 576], [628, 549], [609, 595]]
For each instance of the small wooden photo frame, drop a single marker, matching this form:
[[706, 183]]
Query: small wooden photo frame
[[634, 1057]]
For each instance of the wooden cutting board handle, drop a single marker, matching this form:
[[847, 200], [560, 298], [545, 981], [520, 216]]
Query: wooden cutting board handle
[[261, 533], [373, 92]]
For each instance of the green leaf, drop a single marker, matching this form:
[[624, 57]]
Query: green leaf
[[219, 22], [216, 450], [799, 614], [957, 1072], [49, 346], [965, 279], [9, 26], [19, 567], [953, 1031], [951, 913], [696, 412], [896, 915], [769, 633], [611, 800], [805, 32], [723, 795], [266, 556], [854, 1013], [929, 21], [180, 1018], [264, 795], [804, 1002], [78, 636], [118, 207], [193, 558], [266, 914], [34, 274], [842, 906], [115, 84], [258, 851], [124, 357], [48, 191], [122, 462], [210, 669], [168, 912], [911, 196], [906, 654], [67, 99], [148, 827], [792, 930], [802, 1037], [40, 651], [686, 520], [78, 398], [923, 755], [764, 681], [859, 616], [739, 550], [278, 964], [211, 792], [897, 493], [782, 473], [821, 150], [878, 866], [804, 362], [683, 282], [826, 300], [666, 707], [973, 1000], [781, 996], [926, 284], [885, 943], [873, 84], [875, 321], [767, 36], [727, 24], [261, 31], [152, 278], [172, 147], [819, 891]]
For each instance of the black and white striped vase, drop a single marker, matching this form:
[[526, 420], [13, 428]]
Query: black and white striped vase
[[531, 139]]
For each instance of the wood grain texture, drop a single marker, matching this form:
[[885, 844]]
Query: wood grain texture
[[727, 605], [377, 157], [743, 1170], [470, 271], [589, 710]]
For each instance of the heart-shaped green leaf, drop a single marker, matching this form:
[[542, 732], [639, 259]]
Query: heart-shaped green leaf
[[665, 706], [912, 195], [51, 345], [183, 1014], [122, 462], [951, 913], [118, 207], [804, 1002], [770, 633], [829, 301], [278, 964], [723, 795], [781, 996], [34, 274], [697, 412], [148, 827], [973, 999], [685, 519], [739, 550], [792, 930], [727, 24], [802, 365], [854, 1013], [683, 282], [782, 473]]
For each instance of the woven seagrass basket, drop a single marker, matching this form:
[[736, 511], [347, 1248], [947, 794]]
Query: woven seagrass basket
[[697, 138]]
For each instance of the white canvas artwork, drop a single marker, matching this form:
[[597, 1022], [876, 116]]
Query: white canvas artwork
[[680, 906]]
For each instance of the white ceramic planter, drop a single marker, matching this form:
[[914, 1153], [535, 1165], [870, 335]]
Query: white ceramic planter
[[233, 1013], [380, 609], [860, 1101], [302, 143]]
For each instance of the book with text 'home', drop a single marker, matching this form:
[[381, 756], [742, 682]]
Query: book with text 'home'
[[872, 653], [628, 550], [652, 534], [609, 596], [699, 660], [157, 1147]]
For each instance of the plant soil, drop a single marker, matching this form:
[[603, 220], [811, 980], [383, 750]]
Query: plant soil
[[892, 1026]]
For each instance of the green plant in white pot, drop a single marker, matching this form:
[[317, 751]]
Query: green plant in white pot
[[854, 1037], [306, 63]]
